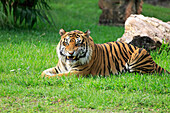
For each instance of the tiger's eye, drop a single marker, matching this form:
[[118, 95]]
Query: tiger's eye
[[65, 43]]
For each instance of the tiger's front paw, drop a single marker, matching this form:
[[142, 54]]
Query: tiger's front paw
[[43, 74], [47, 73]]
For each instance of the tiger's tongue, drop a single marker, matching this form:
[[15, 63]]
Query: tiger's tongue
[[70, 58]]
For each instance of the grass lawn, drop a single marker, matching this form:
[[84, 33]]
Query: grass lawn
[[26, 53]]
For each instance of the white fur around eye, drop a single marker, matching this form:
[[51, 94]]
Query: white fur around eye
[[78, 40], [68, 38]]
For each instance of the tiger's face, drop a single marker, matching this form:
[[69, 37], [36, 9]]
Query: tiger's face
[[74, 47]]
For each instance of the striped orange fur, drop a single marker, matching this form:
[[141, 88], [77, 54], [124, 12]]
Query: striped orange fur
[[79, 55]]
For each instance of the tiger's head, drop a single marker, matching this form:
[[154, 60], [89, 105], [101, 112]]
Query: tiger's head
[[75, 47]]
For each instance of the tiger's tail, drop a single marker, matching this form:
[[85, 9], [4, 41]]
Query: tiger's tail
[[159, 69]]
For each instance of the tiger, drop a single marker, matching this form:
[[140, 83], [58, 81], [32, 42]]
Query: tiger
[[79, 55]]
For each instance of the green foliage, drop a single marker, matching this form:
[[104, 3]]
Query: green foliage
[[164, 47], [4, 20], [18, 12]]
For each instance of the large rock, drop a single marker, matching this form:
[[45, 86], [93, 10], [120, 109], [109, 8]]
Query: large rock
[[147, 32], [115, 12]]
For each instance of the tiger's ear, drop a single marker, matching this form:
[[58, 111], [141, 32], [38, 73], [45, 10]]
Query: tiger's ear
[[87, 33], [62, 32]]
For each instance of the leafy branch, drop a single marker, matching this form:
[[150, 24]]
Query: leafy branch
[[26, 11]]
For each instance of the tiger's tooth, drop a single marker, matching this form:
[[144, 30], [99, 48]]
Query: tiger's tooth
[[67, 57], [74, 57]]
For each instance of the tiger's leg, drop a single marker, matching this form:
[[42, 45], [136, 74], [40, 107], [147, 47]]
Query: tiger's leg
[[141, 62], [49, 72], [55, 71], [59, 70]]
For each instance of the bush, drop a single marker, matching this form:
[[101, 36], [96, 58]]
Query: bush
[[17, 12]]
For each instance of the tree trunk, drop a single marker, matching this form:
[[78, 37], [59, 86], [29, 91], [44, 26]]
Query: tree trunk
[[115, 12]]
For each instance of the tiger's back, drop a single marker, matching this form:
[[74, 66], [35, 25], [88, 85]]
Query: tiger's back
[[117, 57]]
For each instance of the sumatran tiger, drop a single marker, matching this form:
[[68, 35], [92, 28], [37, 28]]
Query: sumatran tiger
[[79, 55]]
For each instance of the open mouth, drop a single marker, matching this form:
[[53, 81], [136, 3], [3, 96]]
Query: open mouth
[[71, 58]]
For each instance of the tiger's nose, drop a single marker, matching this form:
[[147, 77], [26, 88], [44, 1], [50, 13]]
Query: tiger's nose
[[71, 52]]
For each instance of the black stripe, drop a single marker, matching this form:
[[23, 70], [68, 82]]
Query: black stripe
[[111, 51], [116, 62], [117, 65], [140, 50], [124, 46], [107, 59], [81, 69], [142, 57], [125, 55], [62, 53], [98, 59], [163, 70], [137, 55], [59, 69], [130, 48], [56, 70], [113, 58], [144, 69], [65, 68], [137, 60], [134, 47], [125, 51], [76, 66], [116, 52], [96, 51], [98, 69], [141, 64], [82, 41], [103, 59], [94, 62], [159, 69], [156, 66], [121, 52], [90, 39], [118, 58], [147, 65]]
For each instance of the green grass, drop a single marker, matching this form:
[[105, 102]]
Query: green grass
[[26, 53], [157, 12]]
